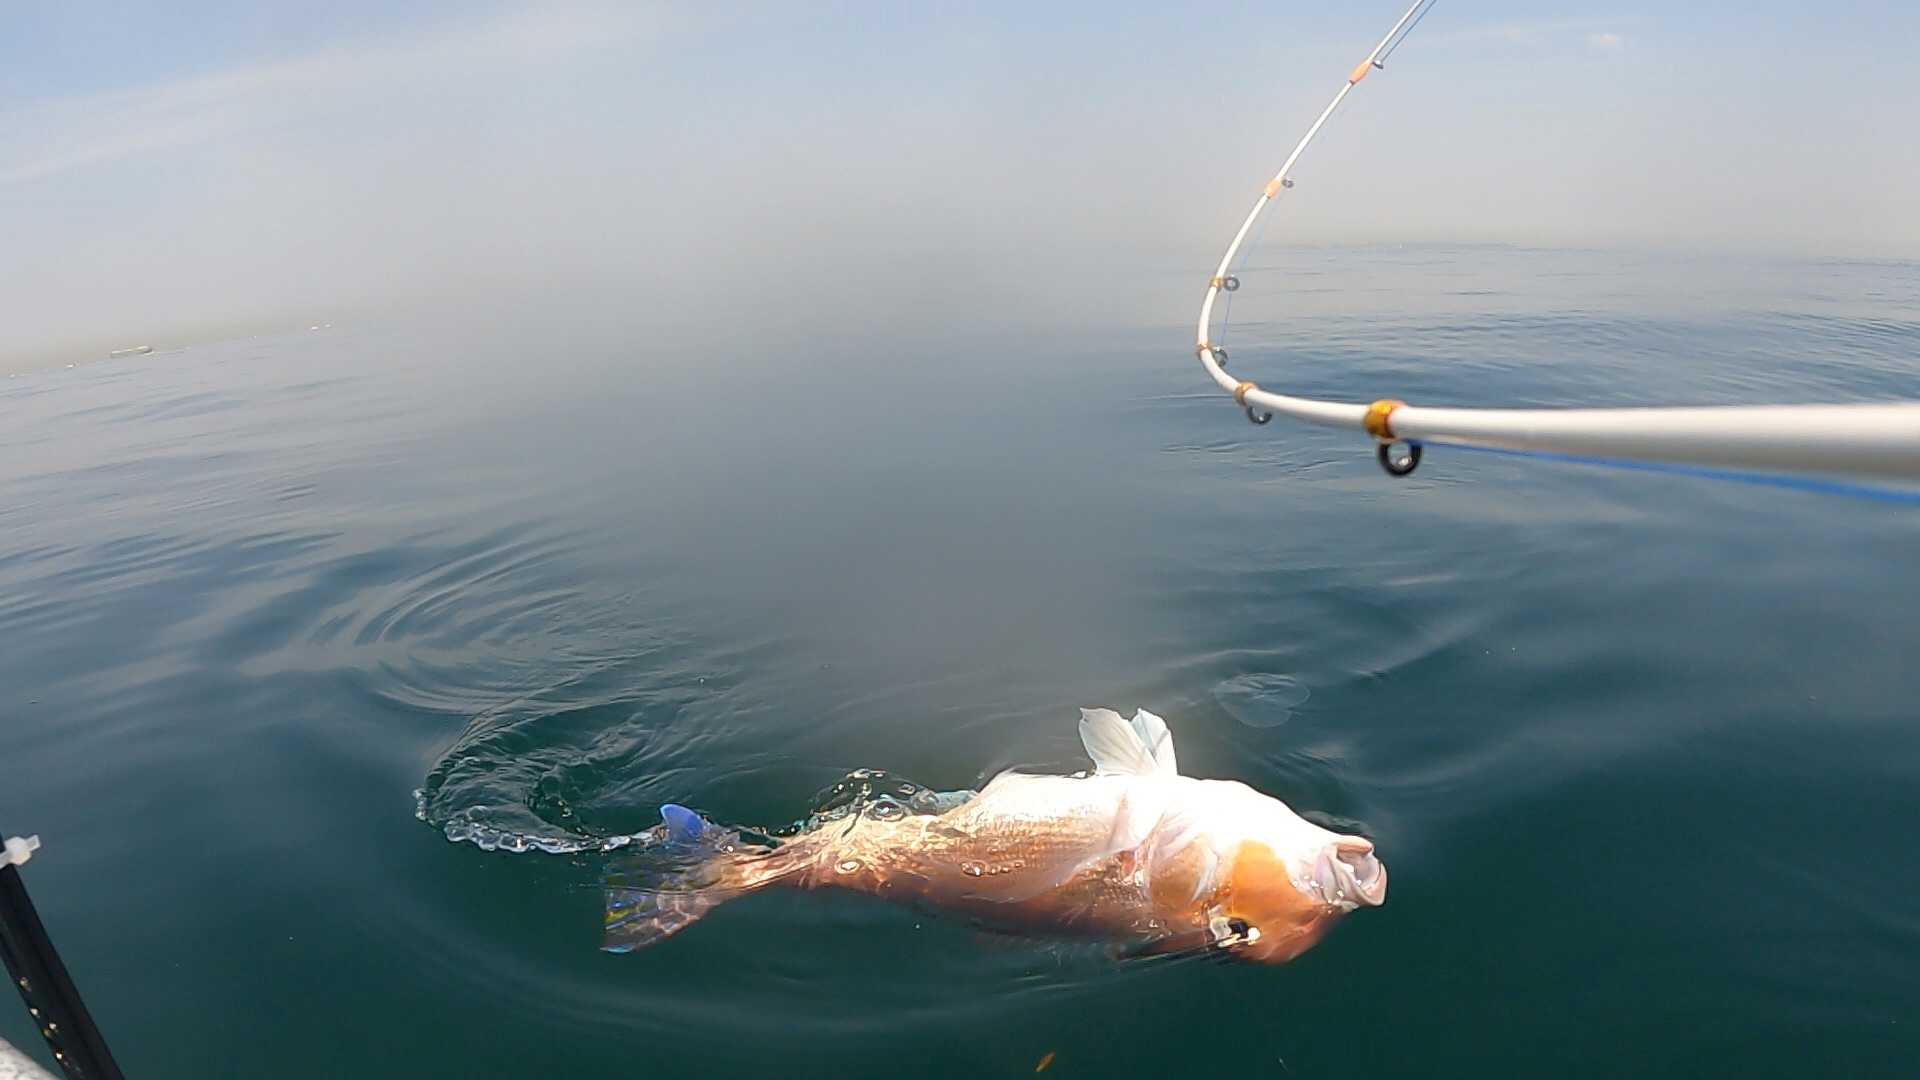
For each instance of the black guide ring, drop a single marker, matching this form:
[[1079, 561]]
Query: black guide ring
[[1258, 418], [1231, 284], [1399, 464], [1220, 357]]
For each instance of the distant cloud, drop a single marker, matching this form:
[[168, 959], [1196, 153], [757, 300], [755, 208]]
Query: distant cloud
[[1542, 33]]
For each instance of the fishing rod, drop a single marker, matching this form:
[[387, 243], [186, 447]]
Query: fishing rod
[[42, 980], [1872, 440]]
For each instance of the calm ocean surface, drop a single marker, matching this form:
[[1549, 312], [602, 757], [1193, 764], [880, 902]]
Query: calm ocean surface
[[1641, 751]]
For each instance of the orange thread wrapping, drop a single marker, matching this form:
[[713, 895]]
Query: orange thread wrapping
[[1379, 419]]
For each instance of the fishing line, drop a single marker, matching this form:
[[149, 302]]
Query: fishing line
[[1382, 62], [1781, 480]]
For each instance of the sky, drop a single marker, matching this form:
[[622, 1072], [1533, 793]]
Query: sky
[[167, 168]]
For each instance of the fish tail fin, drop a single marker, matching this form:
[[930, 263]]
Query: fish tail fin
[[704, 865]]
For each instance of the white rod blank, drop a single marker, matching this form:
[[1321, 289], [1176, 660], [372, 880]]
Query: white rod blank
[[1876, 440]]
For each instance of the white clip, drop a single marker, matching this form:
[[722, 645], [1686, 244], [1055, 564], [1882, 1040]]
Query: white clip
[[20, 849]]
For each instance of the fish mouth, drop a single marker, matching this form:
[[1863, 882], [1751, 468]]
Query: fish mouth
[[1347, 874]]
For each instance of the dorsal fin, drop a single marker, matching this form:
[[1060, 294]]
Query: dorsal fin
[[1159, 741], [1142, 747]]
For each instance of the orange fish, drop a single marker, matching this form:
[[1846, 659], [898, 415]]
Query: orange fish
[[1132, 853]]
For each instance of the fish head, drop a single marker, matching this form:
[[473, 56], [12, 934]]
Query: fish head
[[1287, 881]]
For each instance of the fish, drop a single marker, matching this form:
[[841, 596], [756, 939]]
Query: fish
[[1130, 852]]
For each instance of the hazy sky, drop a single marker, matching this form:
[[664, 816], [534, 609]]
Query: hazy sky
[[169, 166]]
